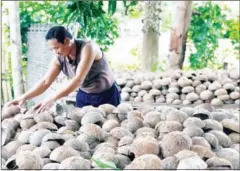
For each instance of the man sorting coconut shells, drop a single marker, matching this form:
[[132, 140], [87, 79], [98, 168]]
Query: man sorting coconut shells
[[84, 62]]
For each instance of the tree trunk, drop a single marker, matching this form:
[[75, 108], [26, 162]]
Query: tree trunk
[[151, 32], [180, 25], [16, 47], [150, 50]]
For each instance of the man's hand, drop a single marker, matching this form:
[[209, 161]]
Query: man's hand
[[20, 101], [44, 106]]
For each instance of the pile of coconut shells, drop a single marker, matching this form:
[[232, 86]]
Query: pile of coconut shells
[[108, 137], [217, 87]]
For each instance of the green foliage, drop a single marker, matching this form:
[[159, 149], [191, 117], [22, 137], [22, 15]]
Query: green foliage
[[166, 21], [159, 66], [37, 12], [104, 165], [233, 29], [135, 51], [112, 5], [135, 12], [7, 75], [94, 22], [205, 30]]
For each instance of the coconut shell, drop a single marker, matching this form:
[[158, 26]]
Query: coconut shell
[[193, 121], [152, 118], [145, 131], [231, 124], [26, 147], [168, 126], [187, 89], [63, 152], [28, 160], [147, 161], [218, 162], [144, 145], [122, 161], [192, 97], [75, 162], [188, 110], [223, 139], [136, 88], [27, 123], [192, 163], [220, 92], [109, 125], [44, 125], [174, 142], [77, 145], [211, 124], [235, 137], [202, 151], [43, 117], [201, 141], [93, 131], [170, 163], [51, 166], [176, 115], [36, 137], [50, 144], [206, 95], [231, 155], [42, 151], [218, 116], [10, 111], [185, 154], [54, 137], [193, 131], [216, 102], [133, 124], [119, 132], [200, 88], [212, 139], [107, 108], [24, 136], [10, 149]]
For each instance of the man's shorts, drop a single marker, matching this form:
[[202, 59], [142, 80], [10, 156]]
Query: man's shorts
[[110, 96]]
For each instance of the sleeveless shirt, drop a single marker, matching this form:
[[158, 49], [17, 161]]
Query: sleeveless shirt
[[99, 77]]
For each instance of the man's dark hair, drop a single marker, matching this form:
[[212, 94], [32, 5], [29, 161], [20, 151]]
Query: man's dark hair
[[59, 33]]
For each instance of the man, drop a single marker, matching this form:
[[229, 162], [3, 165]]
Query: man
[[84, 62]]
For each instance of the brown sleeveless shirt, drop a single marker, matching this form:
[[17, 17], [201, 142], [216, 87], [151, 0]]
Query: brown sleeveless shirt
[[99, 77]]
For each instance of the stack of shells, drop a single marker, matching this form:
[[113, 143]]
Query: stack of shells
[[177, 87], [157, 138]]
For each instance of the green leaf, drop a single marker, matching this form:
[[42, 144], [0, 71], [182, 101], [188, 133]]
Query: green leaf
[[204, 31], [112, 5], [125, 3], [134, 2], [103, 165]]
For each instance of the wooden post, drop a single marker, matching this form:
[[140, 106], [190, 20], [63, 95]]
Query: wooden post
[[225, 65]]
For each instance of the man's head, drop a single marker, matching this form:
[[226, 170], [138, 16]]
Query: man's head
[[59, 39]]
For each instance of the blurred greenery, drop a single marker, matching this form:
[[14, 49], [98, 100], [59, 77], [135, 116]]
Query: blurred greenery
[[166, 21], [98, 21], [103, 165], [233, 32], [159, 66], [94, 22], [205, 31]]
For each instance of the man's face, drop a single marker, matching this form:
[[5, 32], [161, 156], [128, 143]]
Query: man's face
[[59, 48]]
